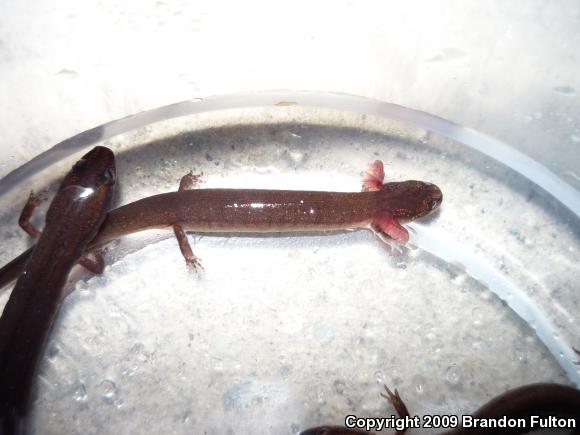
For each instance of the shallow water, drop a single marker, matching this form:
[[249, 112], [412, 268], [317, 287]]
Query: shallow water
[[285, 332]]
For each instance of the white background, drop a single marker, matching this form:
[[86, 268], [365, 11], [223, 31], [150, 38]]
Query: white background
[[509, 69]]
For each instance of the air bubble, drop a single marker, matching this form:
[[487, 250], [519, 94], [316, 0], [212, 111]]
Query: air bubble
[[419, 382], [218, 365], [380, 377], [80, 393], [108, 389], [452, 375]]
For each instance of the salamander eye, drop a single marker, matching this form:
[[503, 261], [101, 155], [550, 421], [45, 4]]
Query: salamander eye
[[109, 177], [433, 203]]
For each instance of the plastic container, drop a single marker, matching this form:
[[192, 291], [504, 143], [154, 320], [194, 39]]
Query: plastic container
[[284, 332]]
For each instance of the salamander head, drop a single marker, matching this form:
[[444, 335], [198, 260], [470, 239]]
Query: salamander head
[[95, 170], [87, 190], [410, 200]]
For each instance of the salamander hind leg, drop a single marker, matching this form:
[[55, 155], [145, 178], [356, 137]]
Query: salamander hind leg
[[96, 265], [188, 181], [190, 259], [24, 219], [395, 399], [373, 176]]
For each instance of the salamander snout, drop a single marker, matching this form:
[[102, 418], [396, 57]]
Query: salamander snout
[[435, 196]]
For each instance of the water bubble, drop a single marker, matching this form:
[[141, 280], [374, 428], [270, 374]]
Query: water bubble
[[52, 352], [320, 396], [296, 156], [452, 374], [138, 350], [108, 390], [80, 393], [486, 295], [218, 365], [82, 286], [419, 382], [339, 386], [424, 136], [285, 370], [130, 371], [401, 265]]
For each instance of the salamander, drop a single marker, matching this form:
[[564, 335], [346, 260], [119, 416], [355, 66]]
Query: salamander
[[380, 207], [72, 221]]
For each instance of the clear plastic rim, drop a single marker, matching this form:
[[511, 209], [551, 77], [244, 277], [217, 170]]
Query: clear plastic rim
[[529, 168]]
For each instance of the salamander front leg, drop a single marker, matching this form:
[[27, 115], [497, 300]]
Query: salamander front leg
[[373, 176], [385, 226], [95, 266], [26, 213], [188, 181]]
